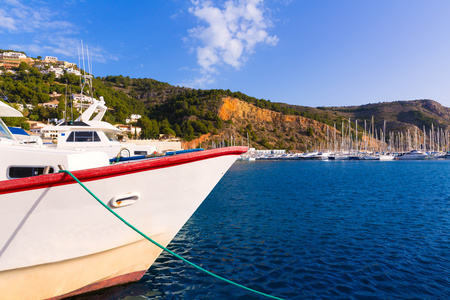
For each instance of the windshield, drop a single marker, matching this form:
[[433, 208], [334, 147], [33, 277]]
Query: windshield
[[4, 131], [111, 136]]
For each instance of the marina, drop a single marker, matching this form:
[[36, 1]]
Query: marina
[[371, 144], [253, 155]]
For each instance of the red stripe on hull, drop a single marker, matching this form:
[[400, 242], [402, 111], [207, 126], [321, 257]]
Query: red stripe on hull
[[127, 278], [57, 179]]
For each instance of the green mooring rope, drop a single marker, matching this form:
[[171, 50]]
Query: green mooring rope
[[164, 248]]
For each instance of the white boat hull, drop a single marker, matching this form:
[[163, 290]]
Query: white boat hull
[[56, 238], [387, 157], [413, 157]]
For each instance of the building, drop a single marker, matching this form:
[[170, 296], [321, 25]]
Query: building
[[73, 71], [11, 59], [21, 107], [134, 130], [36, 127], [58, 71], [81, 102], [50, 59], [133, 119], [65, 64], [50, 104]]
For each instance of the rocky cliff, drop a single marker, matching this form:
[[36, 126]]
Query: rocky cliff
[[266, 128]]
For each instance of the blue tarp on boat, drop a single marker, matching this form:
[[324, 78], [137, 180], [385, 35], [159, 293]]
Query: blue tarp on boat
[[17, 130]]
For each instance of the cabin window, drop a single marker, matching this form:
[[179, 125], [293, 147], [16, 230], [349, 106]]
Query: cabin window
[[140, 152], [83, 136], [27, 171]]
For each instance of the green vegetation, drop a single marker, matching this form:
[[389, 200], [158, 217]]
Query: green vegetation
[[417, 118], [190, 113]]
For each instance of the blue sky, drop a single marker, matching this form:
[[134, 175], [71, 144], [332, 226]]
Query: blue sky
[[304, 52]]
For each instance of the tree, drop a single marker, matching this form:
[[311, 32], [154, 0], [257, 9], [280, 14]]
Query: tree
[[149, 128], [50, 77], [188, 130], [23, 66], [25, 125], [70, 79]]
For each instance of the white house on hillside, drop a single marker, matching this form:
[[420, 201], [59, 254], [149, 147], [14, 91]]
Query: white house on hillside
[[58, 71], [133, 119], [81, 101], [50, 59], [73, 71]]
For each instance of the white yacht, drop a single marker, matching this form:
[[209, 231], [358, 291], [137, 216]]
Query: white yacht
[[413, 155]]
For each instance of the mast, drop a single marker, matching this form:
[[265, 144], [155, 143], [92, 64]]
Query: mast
[[65, 104], [334, 139], [350, 140], [365, 135], [432, 134], [373, 128], [424, 139]]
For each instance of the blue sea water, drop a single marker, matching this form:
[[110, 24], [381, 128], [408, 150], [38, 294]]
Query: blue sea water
[[312, 230]]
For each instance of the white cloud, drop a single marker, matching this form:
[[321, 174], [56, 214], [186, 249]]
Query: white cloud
[[199, 82], [228, 35], [32, 17], [7, 22], [53, 35]]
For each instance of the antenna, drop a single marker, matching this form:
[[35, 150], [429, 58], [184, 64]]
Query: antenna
[[65, 105], [71, 106]]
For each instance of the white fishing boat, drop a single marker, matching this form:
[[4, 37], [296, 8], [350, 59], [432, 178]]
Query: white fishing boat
[[56, 240], [413, 155]]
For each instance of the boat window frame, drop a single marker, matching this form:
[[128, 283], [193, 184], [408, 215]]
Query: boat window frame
[[35, 169], [82, 136], [111, 136], [5, 132]]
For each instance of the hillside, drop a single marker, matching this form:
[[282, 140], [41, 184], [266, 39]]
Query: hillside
[[399, 115], [204, 117]]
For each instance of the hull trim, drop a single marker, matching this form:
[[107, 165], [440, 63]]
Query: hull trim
[[58, 179], [123, 279]]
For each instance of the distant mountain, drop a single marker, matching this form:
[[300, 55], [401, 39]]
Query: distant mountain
[[399, 115]]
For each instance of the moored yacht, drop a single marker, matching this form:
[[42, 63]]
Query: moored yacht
[[413, 155], [387, 157]]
